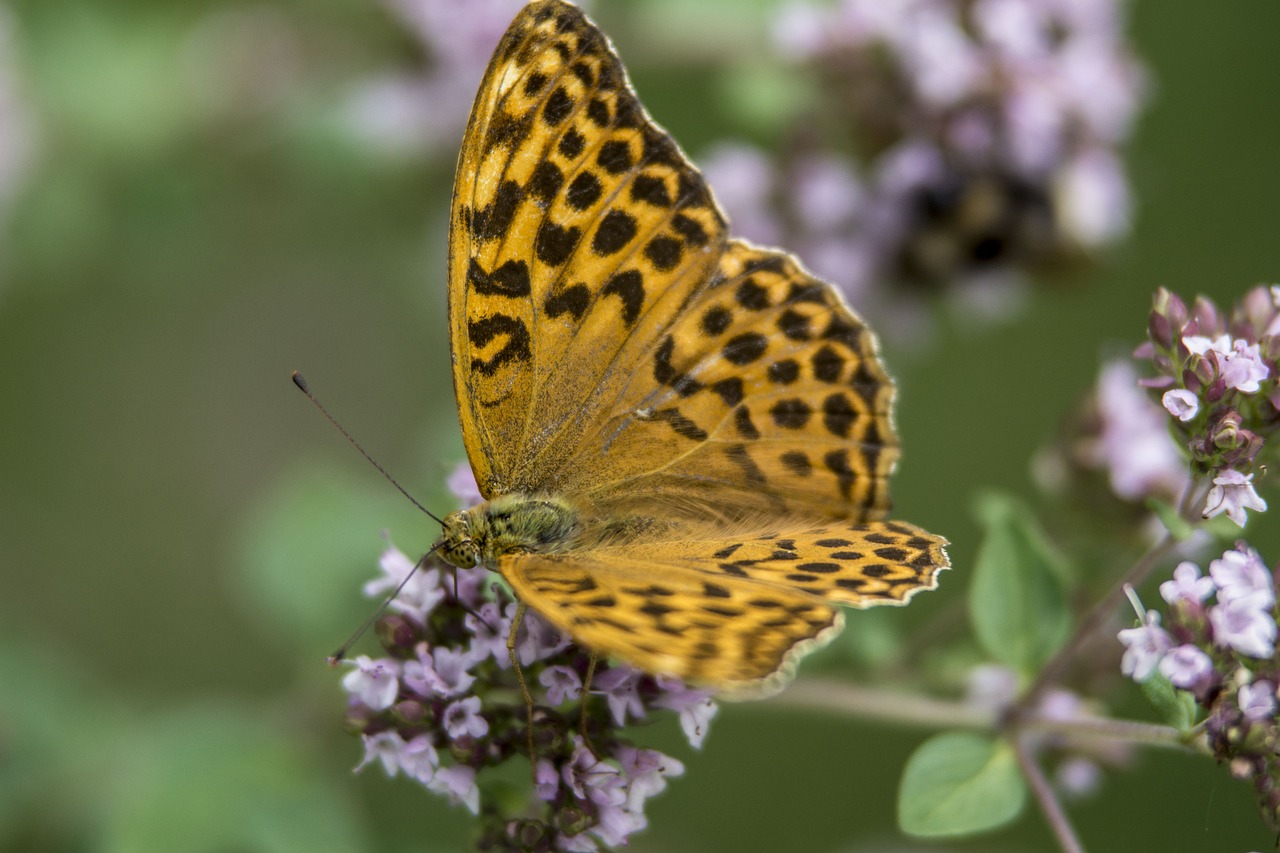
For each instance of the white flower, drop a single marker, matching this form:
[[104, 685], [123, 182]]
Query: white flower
[[1244, 627], [1240, 575], [1257, 700], [562, 684], [620, 685], [1181, 403], [1243, 368], [1187, 585], [462, 485], [419, 595], [374, 682], [1199, 344], [419, 759], [462, 719], [1135, 445], [695, 707], [458, 783], [1145, 646], [1185, 665], [385, 747], [1233, 493]]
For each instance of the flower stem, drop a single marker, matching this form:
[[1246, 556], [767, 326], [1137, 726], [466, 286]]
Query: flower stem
[[889, 706], [1103, 610], [908, 709], [1053, 811]]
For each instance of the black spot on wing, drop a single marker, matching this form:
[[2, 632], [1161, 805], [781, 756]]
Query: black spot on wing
[[664, 252], [614, 232], [628, 286], [650, 190], [614, 157], [510, 280], [554, 244], [584, 191], [546, 181], [557, 107], [494, 220], [681, 424], [745, 348], [481, 332], [570, 300], [571, 144]]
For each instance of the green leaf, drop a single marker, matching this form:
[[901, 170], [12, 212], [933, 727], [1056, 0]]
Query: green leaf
[[313, 540], [1178, 527], [1176, 707], [959, 784], [1016, 599]]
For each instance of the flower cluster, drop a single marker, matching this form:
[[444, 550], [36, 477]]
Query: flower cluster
[[428, 107], [1220, 646], [1119, 432], [989, 131], [443, 706], [1216, 374]]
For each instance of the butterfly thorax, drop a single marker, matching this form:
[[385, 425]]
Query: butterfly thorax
[[512, 523]]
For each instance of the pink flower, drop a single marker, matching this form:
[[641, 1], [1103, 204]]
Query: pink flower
[[1233, 493], [462, 485], [562, 684], [418, 597], [1187, 585], [1257, 700], [373, 682], [1181, 403], [1136, 447], [1144, 647], [1244, 627], [1185, 666], [1242, 368], [1240, 575], [462, 719]]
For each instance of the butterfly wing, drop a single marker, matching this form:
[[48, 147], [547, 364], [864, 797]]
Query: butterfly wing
[[579, 232], [732, 611], [766, 395]]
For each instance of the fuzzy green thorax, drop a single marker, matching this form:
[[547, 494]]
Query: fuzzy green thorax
[[508, 524]]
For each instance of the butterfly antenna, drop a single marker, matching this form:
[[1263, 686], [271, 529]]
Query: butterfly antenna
[[306, 389], [341, 653]]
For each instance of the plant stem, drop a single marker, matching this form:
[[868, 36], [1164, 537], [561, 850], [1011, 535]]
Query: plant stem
[[890, 706], [1053, 811], [908, 709], [1102, 611]]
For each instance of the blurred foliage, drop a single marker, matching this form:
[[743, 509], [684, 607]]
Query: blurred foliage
[[183, 539]]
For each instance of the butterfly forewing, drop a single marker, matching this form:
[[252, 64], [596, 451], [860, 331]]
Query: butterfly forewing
[[579, 231]]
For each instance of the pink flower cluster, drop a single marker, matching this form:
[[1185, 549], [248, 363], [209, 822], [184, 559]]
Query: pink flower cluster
[[442, 706], [1216, 374], [988, 133], [1220, 646]]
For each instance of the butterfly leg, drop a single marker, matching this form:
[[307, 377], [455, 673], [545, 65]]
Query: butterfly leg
[[586, 697], [524, 688]]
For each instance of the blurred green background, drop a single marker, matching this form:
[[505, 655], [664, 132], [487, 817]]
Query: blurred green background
[[183, 539]]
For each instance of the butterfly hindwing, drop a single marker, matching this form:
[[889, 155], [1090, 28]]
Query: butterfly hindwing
[[765, 395], [725, 609]]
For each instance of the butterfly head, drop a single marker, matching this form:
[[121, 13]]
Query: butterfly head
[[457, 546]]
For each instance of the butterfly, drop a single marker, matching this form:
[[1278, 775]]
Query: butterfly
[[683, 440]]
